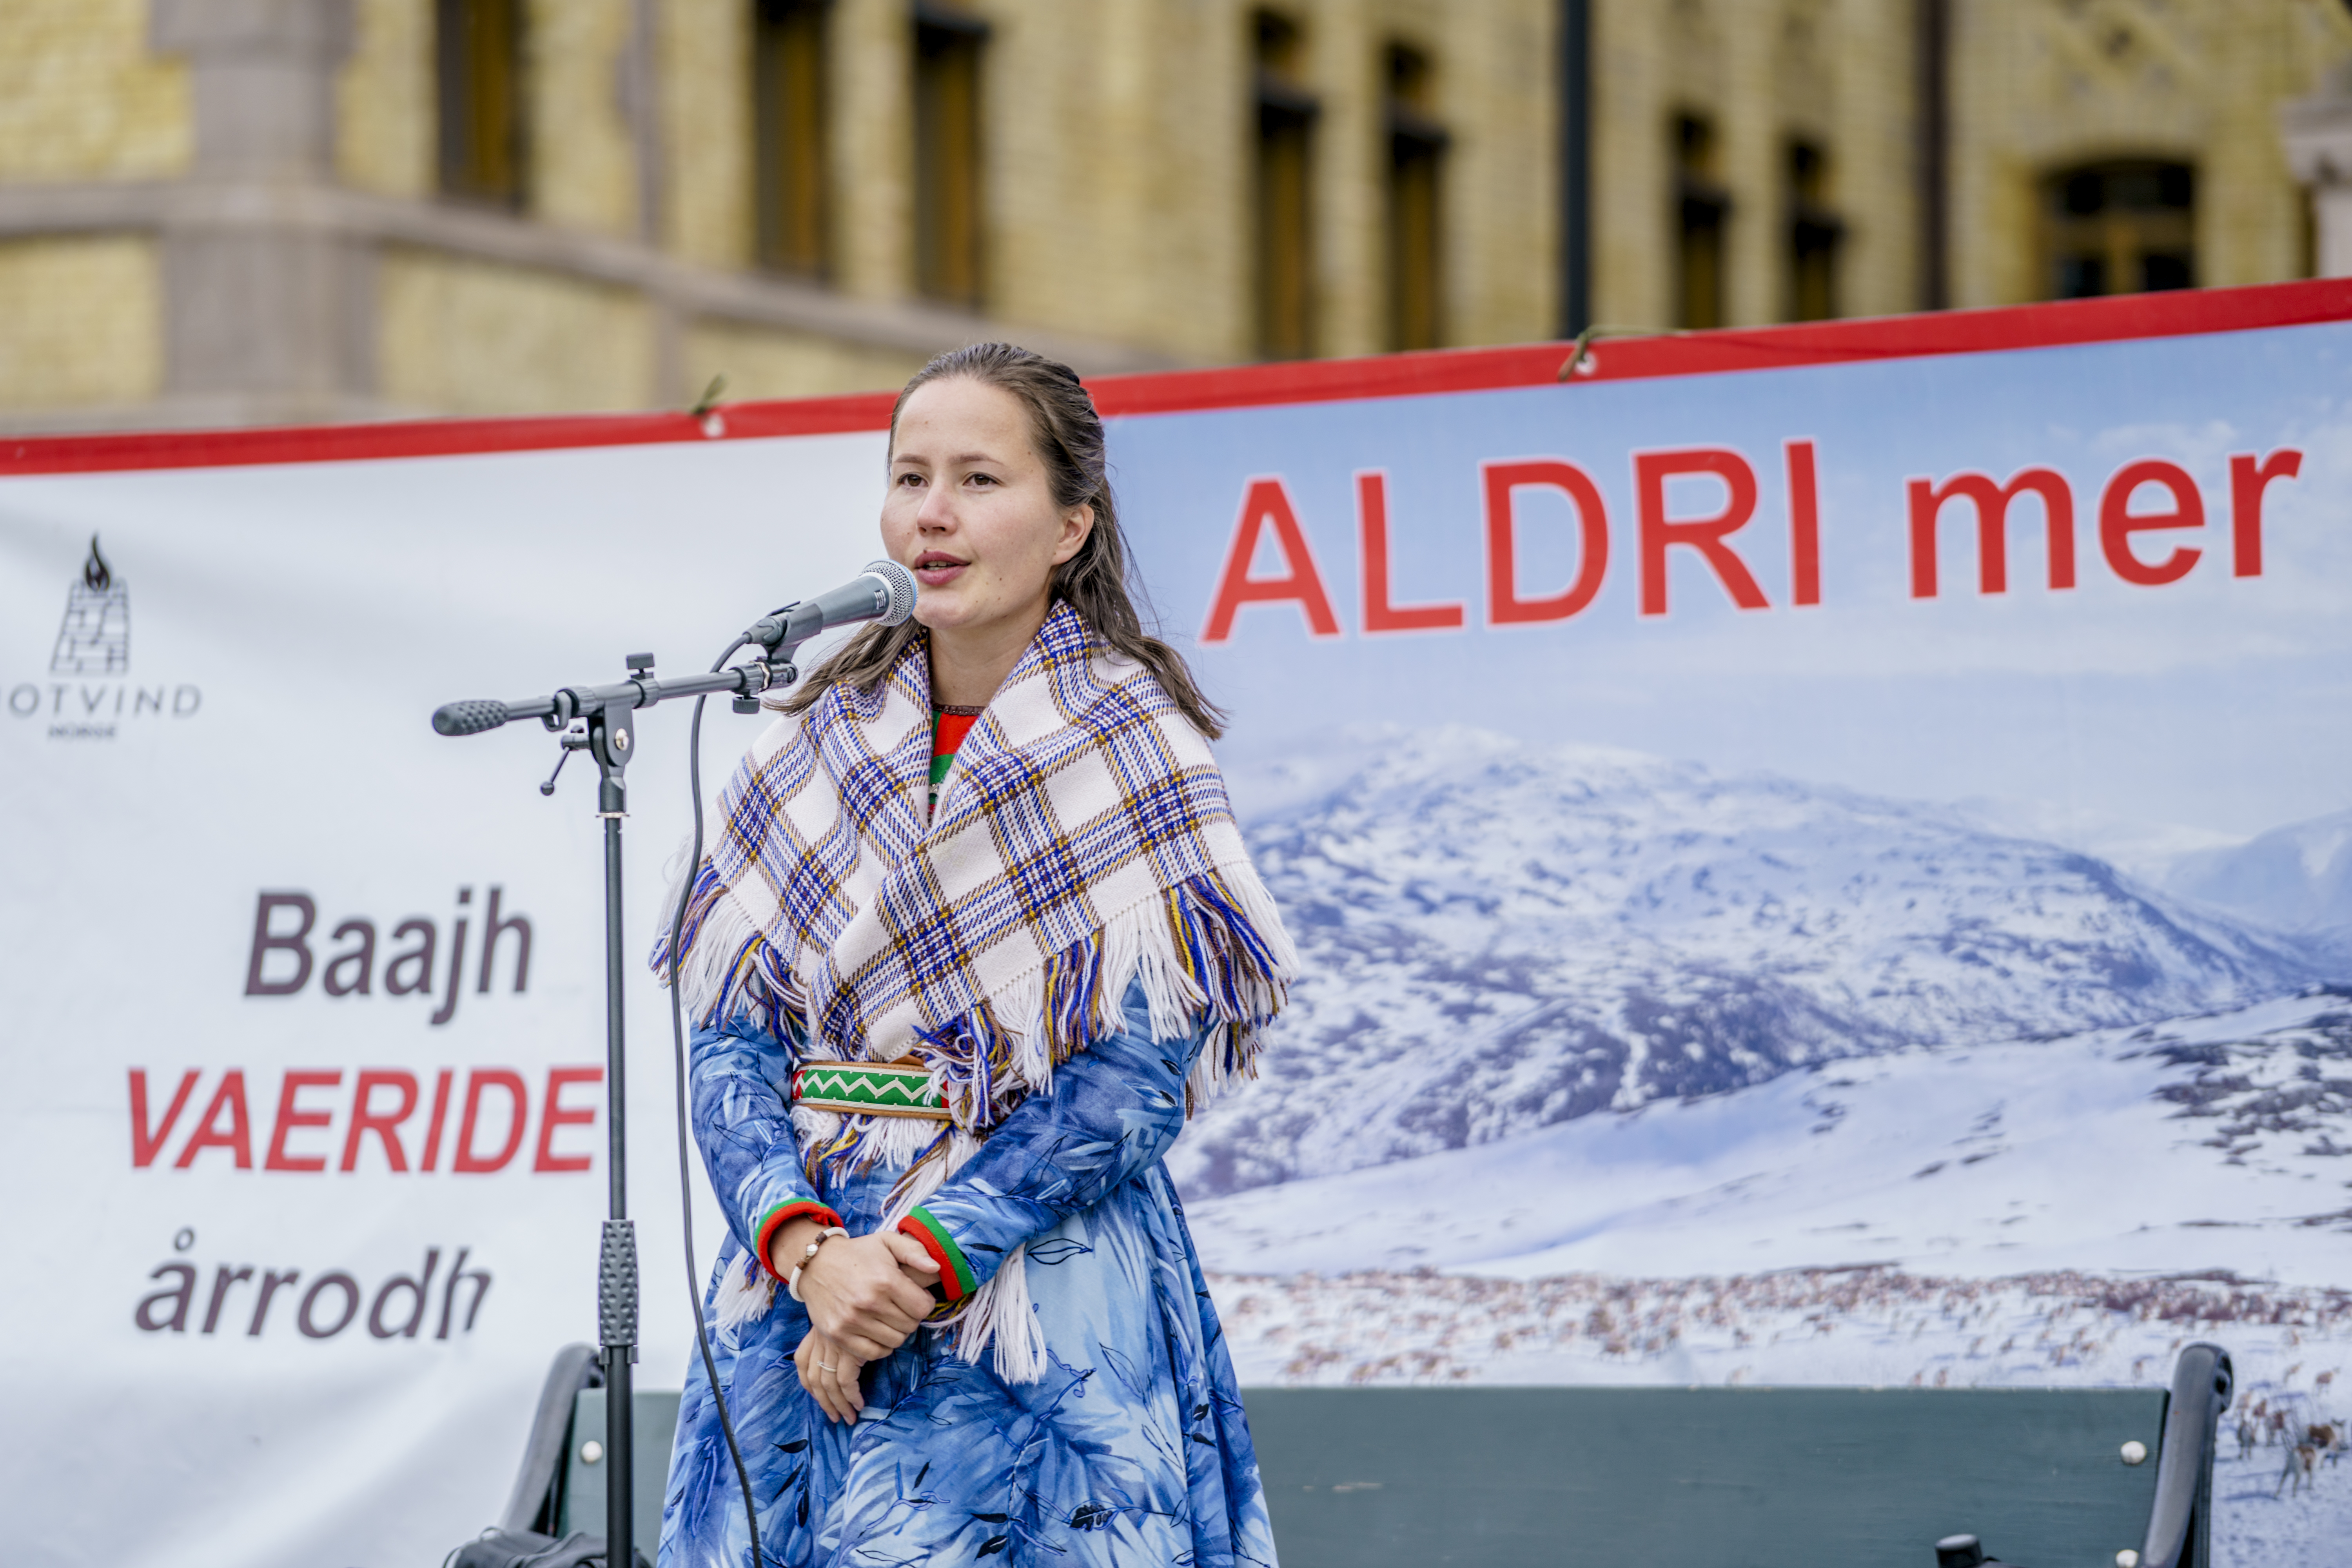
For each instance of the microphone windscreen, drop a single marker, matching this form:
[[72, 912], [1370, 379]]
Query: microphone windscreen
[[902, 590]]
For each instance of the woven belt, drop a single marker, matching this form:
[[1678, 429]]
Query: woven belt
[[868, 1088]]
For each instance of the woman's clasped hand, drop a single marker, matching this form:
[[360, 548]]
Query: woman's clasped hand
[[865, 1295]]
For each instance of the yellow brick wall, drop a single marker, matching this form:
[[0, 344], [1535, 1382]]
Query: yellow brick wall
[[1838, 73], [759, 361], [1342, 69], [385, 115], [1739, 84], [468, 337], [1118, 143], [1117, 163], [82, 98], [2037, 87], [583, 158], [1633, 273], [1048, 260], [872, 149], [583, 153], [2195, 80], [1186, 287], [1871, 126], [2251, 224], [82, 322], [706, 97], [1067, 105], [1495, 90]]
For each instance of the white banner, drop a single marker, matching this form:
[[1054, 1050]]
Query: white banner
[[1837, 872], [304, 1140]]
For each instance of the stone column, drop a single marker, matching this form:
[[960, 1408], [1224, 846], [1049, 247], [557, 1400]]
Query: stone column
[[873, 148], [267, 314], [637, 84], [1753, 156], [1348, 191], [2318, 134]]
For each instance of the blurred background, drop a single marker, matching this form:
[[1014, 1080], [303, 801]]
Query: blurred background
[[231, 212]]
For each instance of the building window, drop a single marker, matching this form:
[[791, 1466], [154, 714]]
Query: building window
[[1814, 233], [947, 45], [478, 46], [788, 120], [2120, 228], [1415, 211], [1285, 193], [1703, 208]]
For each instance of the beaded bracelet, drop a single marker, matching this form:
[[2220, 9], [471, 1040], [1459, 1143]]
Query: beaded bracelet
[[792, 1280]]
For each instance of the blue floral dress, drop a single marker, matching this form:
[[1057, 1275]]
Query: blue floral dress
[[1132, 1447]]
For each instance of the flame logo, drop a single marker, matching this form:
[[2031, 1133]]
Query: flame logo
[[95, 574]]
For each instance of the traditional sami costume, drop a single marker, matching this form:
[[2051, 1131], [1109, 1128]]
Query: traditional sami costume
[[981, 1021]]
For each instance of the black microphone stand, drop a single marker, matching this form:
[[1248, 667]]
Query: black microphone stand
[[607, 718]]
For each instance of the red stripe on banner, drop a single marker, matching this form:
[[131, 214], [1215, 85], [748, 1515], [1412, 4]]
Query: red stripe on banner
[[2179, 313], [2184, 312], [435, 437]]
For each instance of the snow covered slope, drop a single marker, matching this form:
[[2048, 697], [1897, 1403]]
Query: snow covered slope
[[2222, 1143], [1610, 1070], [2032, 1214], [1501, 938]]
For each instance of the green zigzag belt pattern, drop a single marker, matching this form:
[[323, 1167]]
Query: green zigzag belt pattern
[[866, 1087]]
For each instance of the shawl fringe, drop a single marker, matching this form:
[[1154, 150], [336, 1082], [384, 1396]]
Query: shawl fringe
[[746, 1291], [999, 1312], [1207, 950], [728, 968], [1207, 947]]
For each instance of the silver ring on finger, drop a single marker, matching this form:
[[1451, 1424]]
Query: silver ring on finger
[[827, 1366]]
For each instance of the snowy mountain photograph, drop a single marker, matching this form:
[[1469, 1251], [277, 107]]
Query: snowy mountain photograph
[[1607, 1067], [1872, 975], [1500, 937]]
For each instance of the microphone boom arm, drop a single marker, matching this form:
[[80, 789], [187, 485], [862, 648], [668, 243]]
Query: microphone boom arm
[[642, 689]]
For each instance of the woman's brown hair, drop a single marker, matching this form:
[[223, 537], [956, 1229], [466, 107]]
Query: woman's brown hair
[[1069, 434]]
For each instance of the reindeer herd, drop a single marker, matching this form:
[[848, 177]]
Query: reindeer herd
[[2304, 1444]]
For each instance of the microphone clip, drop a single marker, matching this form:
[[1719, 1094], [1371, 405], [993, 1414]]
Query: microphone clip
[[770, 630], [770, 672]]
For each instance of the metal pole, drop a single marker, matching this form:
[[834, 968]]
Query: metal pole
[[1933, 31], [1575, 166], [609, 714], [617, 1292]]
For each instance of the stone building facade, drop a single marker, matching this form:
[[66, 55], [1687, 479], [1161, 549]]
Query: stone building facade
[[241, 211]]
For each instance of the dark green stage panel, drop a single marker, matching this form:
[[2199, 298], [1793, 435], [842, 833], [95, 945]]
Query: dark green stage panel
[[1705, 1478], [580, 1504]]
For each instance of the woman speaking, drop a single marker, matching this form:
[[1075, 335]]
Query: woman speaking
[[978, 932]]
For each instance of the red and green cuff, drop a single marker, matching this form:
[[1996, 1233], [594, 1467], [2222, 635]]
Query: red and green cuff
[[955, 1272], [781, 1215]]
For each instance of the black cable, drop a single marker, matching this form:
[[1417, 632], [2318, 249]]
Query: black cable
[[677, 1043]]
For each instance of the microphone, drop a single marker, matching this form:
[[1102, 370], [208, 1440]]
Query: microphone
[[884, 592]]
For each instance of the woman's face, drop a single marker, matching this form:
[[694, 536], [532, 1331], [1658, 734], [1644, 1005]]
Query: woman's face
[[971, 511]]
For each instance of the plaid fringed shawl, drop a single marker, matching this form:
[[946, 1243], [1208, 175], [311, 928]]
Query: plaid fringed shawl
[[1082, 842]]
